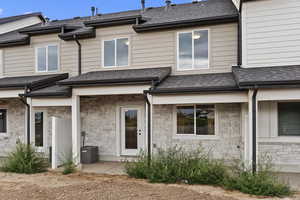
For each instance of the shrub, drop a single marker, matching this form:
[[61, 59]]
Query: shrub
[[177, 165], [68, 167], [138, 169], [195, 167], [25, 159], [262, 183]]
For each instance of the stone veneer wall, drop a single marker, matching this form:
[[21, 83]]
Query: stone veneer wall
[[229, 144], [98, 115], [285, 156], [15, 125]]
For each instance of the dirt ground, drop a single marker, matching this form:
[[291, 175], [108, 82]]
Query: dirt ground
[[79, 186]]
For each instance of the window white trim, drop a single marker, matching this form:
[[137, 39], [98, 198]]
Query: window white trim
[[36, 57], [194, 135], [7, 128], [283, 137], [193, 53], [274, 128], [103, 52]]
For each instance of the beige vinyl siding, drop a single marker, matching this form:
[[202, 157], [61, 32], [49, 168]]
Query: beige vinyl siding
[[271, 33], [155, 49], [20, 61], [159, 49]]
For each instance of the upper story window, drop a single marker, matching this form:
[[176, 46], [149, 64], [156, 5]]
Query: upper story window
[[47, 58], [116, 52], [193, 50]]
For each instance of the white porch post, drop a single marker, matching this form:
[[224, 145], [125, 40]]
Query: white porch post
[[76, 129], [248, 136]]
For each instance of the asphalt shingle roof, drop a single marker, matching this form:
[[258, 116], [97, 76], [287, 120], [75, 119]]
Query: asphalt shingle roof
[[200, 82], [189, 11], [267, 75], [30, 81], [19, 17], [118, 76], [51, 91]]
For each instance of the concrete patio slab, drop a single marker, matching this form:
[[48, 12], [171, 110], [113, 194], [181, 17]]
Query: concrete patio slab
[[111, 168]]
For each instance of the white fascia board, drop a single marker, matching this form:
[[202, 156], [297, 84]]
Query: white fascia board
[[234, 97], [10, 93], [48, 102], [278, 94], [110, 90]]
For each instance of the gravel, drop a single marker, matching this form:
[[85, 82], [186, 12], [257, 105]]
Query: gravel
[[54, 186]]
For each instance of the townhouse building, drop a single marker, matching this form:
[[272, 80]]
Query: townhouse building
[[191, 75]]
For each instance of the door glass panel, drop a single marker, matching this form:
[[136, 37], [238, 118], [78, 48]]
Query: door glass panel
[[39, 129], [131, 126]]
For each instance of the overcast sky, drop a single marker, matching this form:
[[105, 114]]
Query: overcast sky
[[60, 9]]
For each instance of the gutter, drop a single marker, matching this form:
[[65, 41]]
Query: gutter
[[114, 21], [109, 82], [186, 23], [149, 149], [240, 35], [24, 101], [254, 111], [194, 90], [79, 54]]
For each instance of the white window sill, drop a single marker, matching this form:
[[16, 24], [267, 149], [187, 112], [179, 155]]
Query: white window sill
[[280, 139], [196, 137]]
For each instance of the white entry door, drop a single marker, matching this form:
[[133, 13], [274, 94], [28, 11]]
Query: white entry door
[[132, 132]]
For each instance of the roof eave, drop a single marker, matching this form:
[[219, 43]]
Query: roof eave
[[50, 94], [194, 90], [85, 35], [187, 23], [12, 43], [133, 81], [113, 22]]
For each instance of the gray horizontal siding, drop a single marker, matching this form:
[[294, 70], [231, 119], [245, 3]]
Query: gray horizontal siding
[[271, 33]]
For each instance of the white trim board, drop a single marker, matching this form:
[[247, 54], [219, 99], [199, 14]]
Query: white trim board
[[278, 94], [10, 93], [237, 97], [51, 102], [111, 90]]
